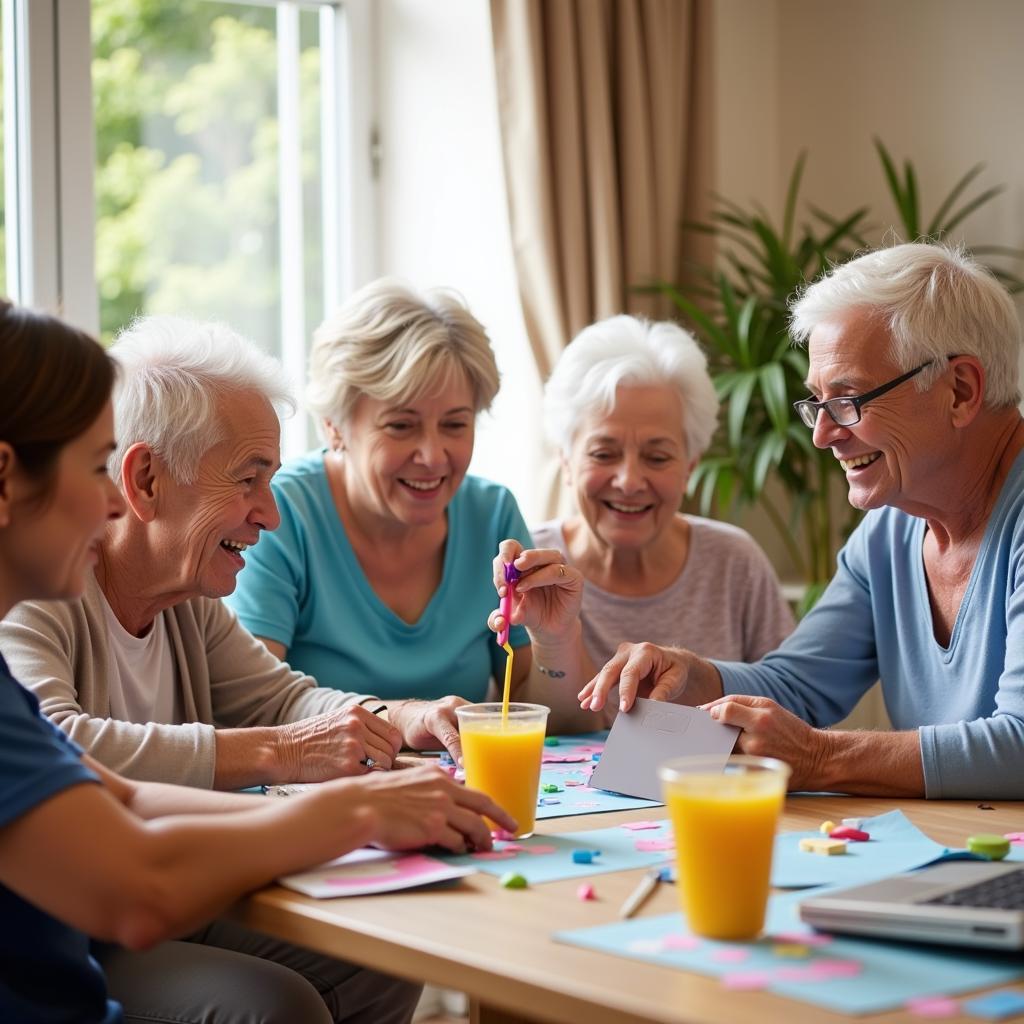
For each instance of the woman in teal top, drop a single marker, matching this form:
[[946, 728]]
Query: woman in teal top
[[380, 573]]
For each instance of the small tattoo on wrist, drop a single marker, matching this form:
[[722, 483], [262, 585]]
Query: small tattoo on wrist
[[552, 673]]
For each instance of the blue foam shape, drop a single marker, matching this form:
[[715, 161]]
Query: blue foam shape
[[996, 1005], [891, 972]]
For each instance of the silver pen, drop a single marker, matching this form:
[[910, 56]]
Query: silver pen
[[643, 890]]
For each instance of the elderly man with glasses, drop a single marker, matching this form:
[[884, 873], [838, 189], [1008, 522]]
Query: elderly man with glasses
[[913, 356]]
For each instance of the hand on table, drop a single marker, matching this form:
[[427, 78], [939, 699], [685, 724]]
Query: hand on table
[[658, 673], [335, 744], [428, 724], [424, 807], [769, 730], [547, 598]]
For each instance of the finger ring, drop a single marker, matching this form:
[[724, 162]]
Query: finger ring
[[561, 570], [369, 762]]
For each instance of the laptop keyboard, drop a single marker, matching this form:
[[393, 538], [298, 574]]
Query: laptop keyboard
[[1005, 892]]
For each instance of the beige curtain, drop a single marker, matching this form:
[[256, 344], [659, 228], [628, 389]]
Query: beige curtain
[[601, 116]]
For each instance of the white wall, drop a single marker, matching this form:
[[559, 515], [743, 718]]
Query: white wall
[[939, 80], [442, 212]]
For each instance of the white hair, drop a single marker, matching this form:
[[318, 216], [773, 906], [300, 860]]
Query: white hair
[[623, 351], [935, 301], [389, 342], [173, 372]]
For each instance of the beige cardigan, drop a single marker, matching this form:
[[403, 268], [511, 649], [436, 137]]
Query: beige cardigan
[[227, 679]]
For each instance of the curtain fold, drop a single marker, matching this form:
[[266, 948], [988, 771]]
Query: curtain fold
[[600, 112]]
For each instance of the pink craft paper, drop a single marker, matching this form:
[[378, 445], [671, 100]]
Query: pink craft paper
[[654, 845], [745, 981], [639, 826], [933, 1007]]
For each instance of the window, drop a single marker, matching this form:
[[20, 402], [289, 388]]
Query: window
[[195, 158]]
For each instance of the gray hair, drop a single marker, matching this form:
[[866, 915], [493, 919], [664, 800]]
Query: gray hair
[[936, 301], [627, 350], [388, 342], [172, 373]]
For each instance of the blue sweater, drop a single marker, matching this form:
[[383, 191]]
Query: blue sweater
[[303, 586], [875, 622]]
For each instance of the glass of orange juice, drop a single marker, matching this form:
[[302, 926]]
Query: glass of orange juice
[[724, 823], [503, 758]]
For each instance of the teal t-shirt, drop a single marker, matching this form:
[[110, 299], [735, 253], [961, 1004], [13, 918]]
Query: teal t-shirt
[[303, 587]]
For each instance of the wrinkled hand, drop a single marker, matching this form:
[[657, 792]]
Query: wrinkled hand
[[429, 724], [335, 744], [547, 599], [769, 730], [647, 670], [424, 807]]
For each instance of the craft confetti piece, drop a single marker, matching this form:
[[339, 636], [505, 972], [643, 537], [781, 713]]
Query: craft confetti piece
[[933, 1007], [654, 845], [730, 955], [791, 950], [745, 981], [639, 826], [996, 1005], [585, 892]]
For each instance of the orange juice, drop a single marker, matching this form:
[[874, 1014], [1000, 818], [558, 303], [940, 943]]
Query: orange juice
[[724, 825], [503, 759]]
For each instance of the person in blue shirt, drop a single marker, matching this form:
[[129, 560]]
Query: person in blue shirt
[[913, 354], [378, 577], [86, 854]]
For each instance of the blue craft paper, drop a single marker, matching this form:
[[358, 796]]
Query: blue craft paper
[[892, 972], [576, 799], [617, 846], [996, 1005], [895, 845]]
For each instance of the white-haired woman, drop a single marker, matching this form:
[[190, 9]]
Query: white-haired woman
[[631, 408], [374, 577]]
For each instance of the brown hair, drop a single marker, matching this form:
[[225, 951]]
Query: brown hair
[[54, 382]]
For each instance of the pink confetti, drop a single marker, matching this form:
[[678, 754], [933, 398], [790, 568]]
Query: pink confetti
[[540, 849], [639, 826], [730, 955], [795, 974], [494, 855], [934, 1007], [1015, 837], [745, 981], [570, 782], [513, 848], [801, 938], [585, 892], [825, 970], [500, 833], [562, 759], [681, 942], [654, 845]]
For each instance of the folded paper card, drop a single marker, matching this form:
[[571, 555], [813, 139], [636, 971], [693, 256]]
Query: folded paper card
[[653, 732], [367, 871]]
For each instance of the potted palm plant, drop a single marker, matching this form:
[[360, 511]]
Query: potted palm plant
[[739, 310]]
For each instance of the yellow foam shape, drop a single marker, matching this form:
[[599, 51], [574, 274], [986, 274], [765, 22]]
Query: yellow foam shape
[[826, 827], [827, 847]]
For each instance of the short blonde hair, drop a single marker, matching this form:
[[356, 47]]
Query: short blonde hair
[[389, 343]]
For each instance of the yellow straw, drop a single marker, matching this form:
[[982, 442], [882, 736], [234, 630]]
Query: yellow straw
[[508, 684]]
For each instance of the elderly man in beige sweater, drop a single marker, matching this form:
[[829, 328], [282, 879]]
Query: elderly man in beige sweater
[[148, 671]]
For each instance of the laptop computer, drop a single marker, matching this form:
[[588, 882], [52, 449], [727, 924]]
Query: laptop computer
[[969, 903]]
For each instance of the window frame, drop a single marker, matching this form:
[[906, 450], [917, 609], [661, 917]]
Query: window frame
[[49, 147]]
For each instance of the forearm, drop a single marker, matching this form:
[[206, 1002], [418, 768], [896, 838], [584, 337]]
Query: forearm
[[250, 757], [870, 764], [557, 673], [201, 863]]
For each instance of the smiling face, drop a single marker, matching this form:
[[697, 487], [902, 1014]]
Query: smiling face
[[206, 526], [404, 461], [49, 547], [629, 467], [895, 454]]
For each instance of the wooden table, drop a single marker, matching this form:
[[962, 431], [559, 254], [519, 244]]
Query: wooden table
[[495, 943]]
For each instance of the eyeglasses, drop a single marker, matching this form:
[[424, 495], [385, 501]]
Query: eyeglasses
[[845, 411]]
